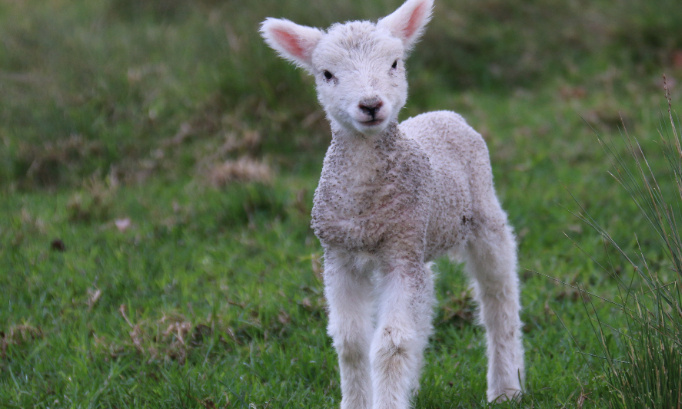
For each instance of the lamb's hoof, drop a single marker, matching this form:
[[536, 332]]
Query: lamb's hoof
[[504, 395]]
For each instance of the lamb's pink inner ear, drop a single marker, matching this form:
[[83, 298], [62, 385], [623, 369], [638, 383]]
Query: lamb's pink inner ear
[[290, 42], [415, 20]]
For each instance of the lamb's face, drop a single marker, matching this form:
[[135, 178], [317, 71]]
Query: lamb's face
[[358, 66], [360, 76]]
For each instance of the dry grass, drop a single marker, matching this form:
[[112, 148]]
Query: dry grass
[[242, 170], [49, 164], [18, 335], [94, 201], [170, 337]]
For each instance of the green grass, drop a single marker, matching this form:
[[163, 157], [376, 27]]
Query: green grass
[[117, 110], [642, 357]]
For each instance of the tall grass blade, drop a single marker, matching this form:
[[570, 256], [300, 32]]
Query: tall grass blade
[[650, 373]]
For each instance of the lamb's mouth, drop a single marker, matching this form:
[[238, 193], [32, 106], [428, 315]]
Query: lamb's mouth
[[373, 122]]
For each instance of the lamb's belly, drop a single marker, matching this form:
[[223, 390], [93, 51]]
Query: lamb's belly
[[450, 223], [446, 238]]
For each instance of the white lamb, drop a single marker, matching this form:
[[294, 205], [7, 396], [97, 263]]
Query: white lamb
[[391, 198]]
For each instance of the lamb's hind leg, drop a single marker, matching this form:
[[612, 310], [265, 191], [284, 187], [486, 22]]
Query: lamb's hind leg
[[403, 326], [348, 289], [491, 261]]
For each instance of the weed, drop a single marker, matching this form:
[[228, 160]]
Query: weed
[[643, 364]]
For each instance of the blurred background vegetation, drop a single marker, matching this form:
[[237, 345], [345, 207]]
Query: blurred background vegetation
[[157, 164], [150, 88]]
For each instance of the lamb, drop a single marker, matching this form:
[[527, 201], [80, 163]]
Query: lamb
[[391, 198]]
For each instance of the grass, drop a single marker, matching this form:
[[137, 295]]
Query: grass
[[643, 367], [157, 170]]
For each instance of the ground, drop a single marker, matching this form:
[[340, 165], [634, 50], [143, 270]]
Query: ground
[[156, 177]]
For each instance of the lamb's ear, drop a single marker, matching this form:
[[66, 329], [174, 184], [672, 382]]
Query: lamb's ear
[[408, 22], [292, 41]]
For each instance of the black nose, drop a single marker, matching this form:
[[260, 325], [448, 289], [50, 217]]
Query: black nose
[[371, 107]]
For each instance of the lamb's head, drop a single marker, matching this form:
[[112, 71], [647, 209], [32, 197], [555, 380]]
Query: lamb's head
[[358, 66]]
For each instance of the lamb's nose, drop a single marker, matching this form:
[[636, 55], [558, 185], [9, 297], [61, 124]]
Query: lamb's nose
[[371, 106]]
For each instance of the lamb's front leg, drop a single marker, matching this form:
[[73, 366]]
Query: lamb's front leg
[[404, 324], [348, 289]]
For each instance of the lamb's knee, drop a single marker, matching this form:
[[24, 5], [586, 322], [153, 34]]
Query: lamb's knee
[[351, 340], [395, 348], [351, 351], [391, 350]]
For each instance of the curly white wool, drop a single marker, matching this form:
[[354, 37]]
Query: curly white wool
[[391, 198]]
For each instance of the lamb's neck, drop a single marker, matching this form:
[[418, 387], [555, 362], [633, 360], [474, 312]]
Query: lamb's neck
[[352, 140]]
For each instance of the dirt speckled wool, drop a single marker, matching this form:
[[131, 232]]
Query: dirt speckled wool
[[391, 198]]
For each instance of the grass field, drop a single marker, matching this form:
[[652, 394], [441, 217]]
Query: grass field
[[157, 165]]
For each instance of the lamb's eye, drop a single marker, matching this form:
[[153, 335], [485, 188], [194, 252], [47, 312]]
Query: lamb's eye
[[395, 64], [328, 75]]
